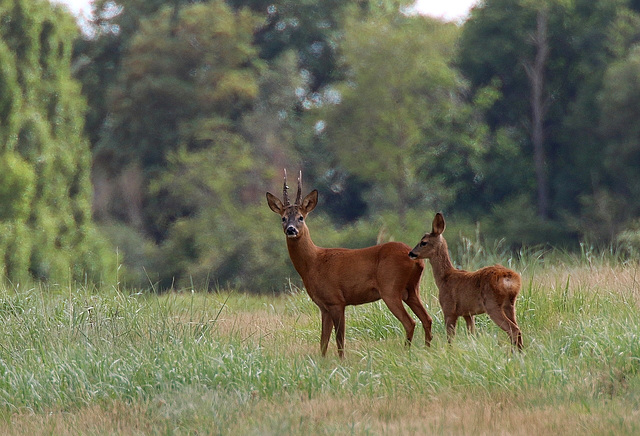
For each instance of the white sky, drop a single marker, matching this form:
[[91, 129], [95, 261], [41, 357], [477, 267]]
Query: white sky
[[446, 9]]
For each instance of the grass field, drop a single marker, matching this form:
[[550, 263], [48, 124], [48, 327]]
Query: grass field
[[84, 361]]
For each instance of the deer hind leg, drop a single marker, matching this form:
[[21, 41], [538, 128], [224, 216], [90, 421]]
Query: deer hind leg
[[509, 308], [471, 325], [337, 316], [325, 335], [396, 307], [414, 302], [498, 315]]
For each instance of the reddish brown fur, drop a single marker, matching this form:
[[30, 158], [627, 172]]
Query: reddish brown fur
[[338, 277], [492, 290]]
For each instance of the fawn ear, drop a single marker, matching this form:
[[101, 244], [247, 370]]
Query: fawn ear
[[275, 204], [310, 202], [438, 225]]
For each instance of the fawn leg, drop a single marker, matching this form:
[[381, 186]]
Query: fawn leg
[[471, 325], [510, 311], [450, 321], [498, 316]]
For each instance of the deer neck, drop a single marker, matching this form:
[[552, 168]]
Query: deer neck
[[303, 252], [441, 263]]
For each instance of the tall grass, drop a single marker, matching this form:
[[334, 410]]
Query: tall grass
[[83, 360]]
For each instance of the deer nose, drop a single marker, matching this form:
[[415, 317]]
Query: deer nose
[[291, 231], [412, 255]]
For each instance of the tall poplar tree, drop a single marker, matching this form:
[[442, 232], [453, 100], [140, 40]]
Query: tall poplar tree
[[46, 230]]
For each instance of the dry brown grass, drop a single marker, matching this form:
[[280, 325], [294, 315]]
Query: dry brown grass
[[115, 418], [623, 279], [331, 415]]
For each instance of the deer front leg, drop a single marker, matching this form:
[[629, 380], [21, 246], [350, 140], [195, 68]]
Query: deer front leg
[[337, 315], [327, 326]]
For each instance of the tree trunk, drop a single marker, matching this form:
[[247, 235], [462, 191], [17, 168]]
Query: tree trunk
[[535, 72]]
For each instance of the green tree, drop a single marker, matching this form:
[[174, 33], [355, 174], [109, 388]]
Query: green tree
[[399, 120], [618, 101], [45, 190], [548, 60], [307, 28], [175, 71], [223, 241], [98, 54], [310, 28], [182, 79], [198, 113]]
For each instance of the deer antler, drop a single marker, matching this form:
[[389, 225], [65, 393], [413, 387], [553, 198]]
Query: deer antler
[[299, 188], [285, 197]]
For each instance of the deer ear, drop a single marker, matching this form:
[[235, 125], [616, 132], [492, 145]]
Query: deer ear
[[438, 225], [275, 204], [310, 201]]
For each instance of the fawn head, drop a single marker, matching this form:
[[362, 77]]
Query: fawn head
[[429, 244], [293, 215]]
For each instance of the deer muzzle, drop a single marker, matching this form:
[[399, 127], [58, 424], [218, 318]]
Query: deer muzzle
[[291, 232]]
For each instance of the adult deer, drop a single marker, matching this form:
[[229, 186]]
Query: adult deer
[[491, 290], [339, 277]]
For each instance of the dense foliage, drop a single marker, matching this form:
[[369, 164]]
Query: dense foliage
[[46, 230], [519, 124], [499, 121], [579, 48]]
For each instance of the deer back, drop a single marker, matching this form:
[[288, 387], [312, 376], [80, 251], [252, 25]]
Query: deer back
[[358, 275]]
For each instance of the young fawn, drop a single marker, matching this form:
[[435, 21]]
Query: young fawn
[[491, 290], [339, 277]]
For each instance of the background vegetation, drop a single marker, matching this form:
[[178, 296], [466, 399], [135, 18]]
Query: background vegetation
[[390, 115], [519, 124]]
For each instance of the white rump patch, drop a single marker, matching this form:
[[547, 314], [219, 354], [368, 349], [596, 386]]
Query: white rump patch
[[507, 283]]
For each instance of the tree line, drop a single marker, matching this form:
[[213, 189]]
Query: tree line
[[519, 124]]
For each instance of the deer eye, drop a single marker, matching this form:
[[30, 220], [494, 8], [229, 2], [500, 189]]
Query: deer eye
[[283, 219], [423, 243], [300, 218]]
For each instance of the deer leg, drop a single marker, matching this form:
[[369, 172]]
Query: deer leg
[[396, 307], [510, 311], [327, 326], [337, 315], [498, 316], [414, 302], [471, 325], [451, 321]]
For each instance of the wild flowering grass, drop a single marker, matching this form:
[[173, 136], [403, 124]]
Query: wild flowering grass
[[76, 360]]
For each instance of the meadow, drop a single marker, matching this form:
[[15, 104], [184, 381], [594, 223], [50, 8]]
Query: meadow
[[78, 360]]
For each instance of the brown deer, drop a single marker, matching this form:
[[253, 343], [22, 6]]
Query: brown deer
[[491, 290], [339, 277]]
